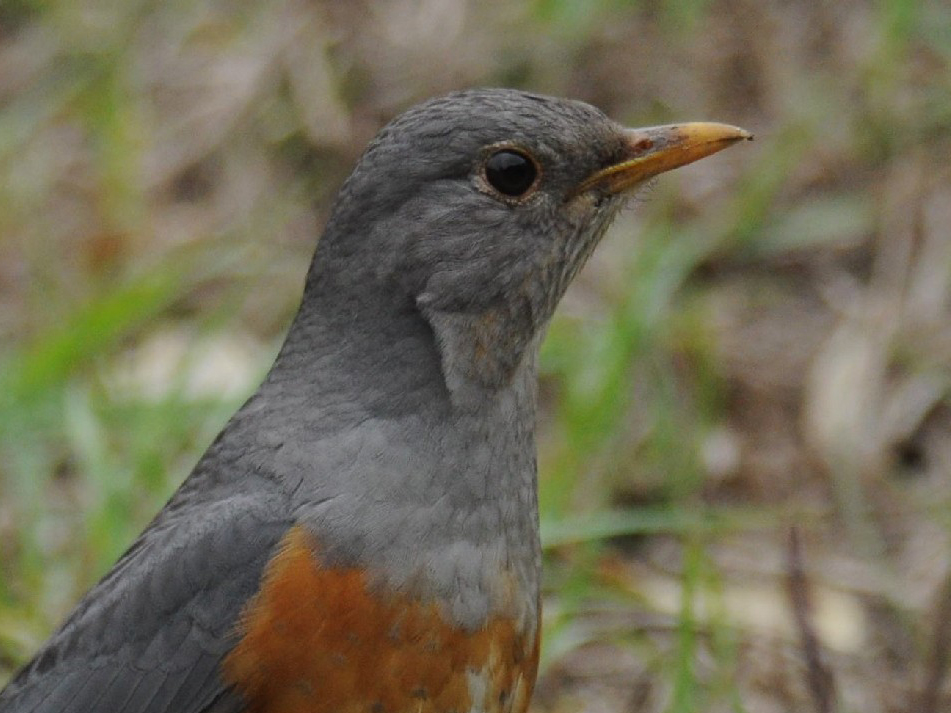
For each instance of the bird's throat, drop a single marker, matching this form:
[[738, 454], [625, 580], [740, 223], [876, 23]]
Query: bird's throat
[[483, 354]]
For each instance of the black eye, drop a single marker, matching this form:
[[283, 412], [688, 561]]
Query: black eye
[[510, 172]]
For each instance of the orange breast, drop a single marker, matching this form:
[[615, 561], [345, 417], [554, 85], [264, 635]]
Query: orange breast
[[316, 640]]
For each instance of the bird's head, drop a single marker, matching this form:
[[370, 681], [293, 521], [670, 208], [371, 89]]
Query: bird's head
[[477, 209]]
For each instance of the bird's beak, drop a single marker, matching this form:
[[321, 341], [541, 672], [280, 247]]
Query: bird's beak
[[661, 148]]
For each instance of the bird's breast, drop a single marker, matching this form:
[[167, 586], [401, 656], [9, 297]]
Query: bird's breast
[[318, 639]]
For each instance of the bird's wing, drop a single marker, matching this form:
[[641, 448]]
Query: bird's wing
[[151, 636]]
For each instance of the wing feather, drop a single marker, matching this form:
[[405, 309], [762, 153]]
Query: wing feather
[[151, 636]]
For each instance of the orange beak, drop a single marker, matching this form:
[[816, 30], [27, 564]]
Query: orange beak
[[661, 148]]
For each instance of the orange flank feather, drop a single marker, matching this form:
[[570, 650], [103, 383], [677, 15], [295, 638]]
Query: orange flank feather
[[318, 640]]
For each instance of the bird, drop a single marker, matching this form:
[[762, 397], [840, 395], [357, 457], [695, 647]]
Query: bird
[[362, 536]]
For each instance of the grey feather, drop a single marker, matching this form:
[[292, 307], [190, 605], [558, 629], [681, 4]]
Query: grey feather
[[397, 424]]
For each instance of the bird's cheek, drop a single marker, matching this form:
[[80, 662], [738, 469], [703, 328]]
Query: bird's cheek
[[580, 209]]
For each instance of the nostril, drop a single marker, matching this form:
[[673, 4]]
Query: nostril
[[643, 145]]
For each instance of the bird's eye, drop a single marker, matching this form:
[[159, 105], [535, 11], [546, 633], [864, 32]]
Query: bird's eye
[[510, 172]]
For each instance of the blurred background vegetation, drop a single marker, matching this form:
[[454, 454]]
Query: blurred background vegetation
[[763, 340]]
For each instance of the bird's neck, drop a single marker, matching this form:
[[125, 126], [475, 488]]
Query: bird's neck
[[359, 415], [387, 351], [364, 349], [483, 354]]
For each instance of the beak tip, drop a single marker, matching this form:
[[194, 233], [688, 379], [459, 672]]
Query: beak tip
[[741, 134]]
